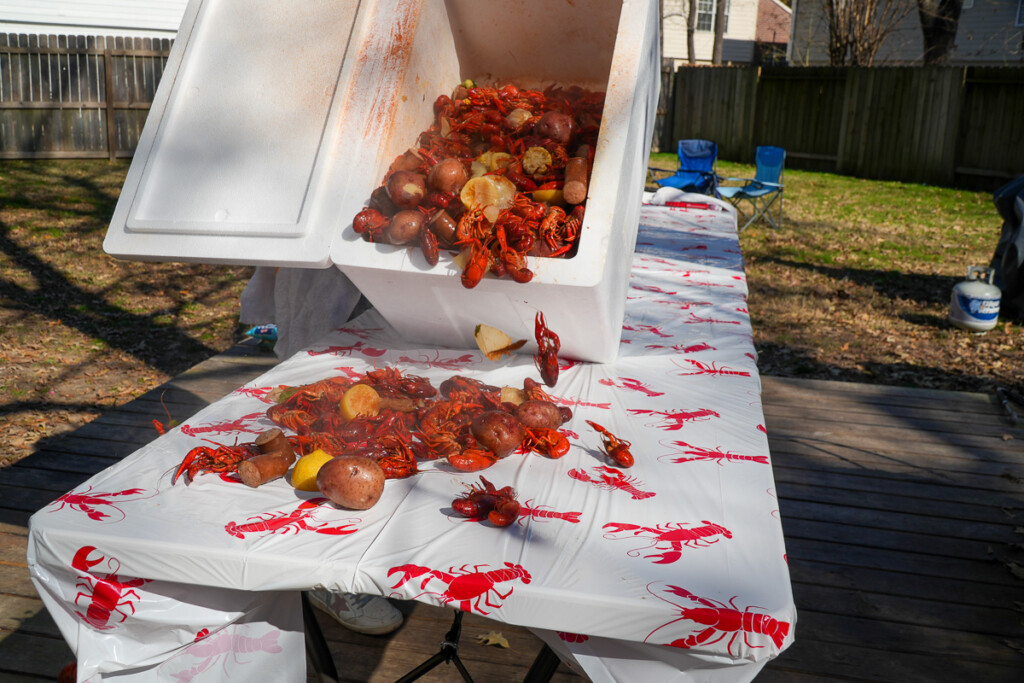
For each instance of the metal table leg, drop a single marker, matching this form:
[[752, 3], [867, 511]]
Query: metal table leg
[[316, 645], [449, 653], [543, 667]]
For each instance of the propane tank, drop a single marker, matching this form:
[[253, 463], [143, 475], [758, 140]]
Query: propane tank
[[974, 304]]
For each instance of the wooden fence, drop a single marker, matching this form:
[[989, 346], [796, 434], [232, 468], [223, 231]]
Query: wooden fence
[[76, 96], [957, 126]]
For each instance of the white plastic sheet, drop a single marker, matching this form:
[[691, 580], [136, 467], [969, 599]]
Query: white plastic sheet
[[673, 570]]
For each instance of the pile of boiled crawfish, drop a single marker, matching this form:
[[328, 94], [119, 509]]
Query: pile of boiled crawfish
[[467, 422], [494, 177], [464, 421]]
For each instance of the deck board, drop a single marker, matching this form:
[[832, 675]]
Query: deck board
[[903, 511]]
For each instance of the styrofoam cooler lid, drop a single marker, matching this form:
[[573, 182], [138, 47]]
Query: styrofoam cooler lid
[[238, 161]]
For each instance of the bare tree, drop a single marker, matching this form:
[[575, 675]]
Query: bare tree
[[837, 17], [939, 22], [716, 46], [858, 28], [691, 29]]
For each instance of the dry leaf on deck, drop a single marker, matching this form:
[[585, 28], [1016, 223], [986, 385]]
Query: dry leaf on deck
[[492, 638]]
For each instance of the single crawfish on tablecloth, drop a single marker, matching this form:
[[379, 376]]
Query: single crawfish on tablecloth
[[493, 176]]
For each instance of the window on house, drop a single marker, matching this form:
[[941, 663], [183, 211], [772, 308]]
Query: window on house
[[967, 4], [706, 15], [1020, 13]]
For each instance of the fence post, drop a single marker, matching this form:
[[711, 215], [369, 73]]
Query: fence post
[[108, 74]]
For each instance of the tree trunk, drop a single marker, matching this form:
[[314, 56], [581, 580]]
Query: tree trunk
[[691, 28], [939, 22], [716, 50]]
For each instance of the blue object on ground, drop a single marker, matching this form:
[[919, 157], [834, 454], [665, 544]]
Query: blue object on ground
[[263, 332]]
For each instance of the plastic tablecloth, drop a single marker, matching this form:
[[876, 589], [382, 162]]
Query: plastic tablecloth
[[674, 569]]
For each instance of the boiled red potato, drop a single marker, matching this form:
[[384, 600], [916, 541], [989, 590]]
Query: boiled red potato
[[498, 432], [351, 481]]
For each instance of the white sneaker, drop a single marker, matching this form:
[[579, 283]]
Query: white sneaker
[[362, 613]]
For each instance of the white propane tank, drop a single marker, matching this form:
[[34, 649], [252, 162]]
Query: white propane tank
[[974, 304]]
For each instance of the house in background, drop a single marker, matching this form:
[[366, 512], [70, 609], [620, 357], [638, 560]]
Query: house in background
[[990, 33], [756, 31], [129, 18]]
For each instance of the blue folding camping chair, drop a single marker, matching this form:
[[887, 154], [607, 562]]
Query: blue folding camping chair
[[763, 190], [696, 171]]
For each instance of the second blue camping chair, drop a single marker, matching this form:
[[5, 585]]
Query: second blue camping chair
[[696, 168], [761, 191]]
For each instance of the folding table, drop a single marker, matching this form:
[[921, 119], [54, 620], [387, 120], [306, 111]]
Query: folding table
[[674, 569]]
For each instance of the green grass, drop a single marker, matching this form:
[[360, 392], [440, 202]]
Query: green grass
[[880, 222], [855, 285]]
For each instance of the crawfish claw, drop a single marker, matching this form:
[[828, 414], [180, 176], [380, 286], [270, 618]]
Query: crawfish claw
[[410, 571]]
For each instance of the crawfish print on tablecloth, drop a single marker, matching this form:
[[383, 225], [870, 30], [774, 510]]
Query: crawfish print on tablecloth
[[545, 513], [248, 424], [103, 596], [701, 454], [100, 506], [611, 479], [712, 621], [258, 393], [649, 329], [454, 364], [672, 420], [228, 645], [669, 537], [692, 348], [471, 588], [299, 519], [699, 368], [631, 384], [349, 350]]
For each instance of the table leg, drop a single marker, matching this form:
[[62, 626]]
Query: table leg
[[449, 653], [543, 667], [316, 645]]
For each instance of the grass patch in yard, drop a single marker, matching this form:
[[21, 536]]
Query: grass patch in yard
[[856, 284], [83, 331]]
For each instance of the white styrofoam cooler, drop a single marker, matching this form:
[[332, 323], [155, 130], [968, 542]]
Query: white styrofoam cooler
[[602, 45], [272, 126]]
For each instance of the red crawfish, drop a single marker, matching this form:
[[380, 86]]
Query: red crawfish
[[221, 459], [467, 587], [548, 345], [670, 537], [105, 595], [611, 479], [546, 512], [472, 459], [90, 502], [285, 521], [549, 442], [617, 449], [700, 453], [499, 506], [721, 621]]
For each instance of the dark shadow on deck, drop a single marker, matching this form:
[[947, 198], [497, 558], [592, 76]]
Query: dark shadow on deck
[[902, 511]]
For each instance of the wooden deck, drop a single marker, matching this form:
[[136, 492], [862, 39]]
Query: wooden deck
[[903, 511]]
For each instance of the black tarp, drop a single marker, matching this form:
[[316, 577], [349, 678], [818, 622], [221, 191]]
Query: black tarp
[[1008, 260]]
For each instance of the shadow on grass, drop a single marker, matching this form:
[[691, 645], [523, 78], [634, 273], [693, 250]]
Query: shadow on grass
[[40, 287], [892, 284]]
